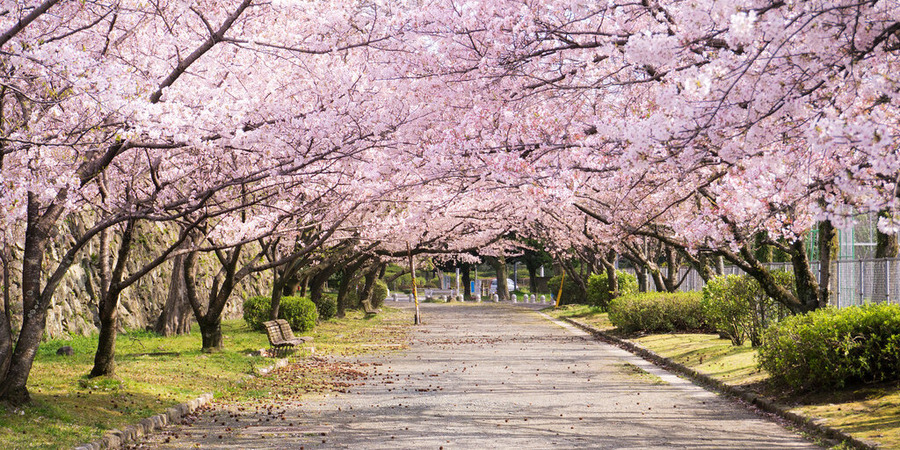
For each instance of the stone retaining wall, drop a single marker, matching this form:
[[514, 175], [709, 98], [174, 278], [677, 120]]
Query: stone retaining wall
[[74, 309]]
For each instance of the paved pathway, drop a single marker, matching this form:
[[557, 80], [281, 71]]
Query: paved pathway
[[497, 376]]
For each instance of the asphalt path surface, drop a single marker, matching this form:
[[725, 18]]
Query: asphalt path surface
[[494, 376]]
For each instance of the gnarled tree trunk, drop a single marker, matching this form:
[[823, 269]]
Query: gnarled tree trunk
[[499, 265], [612, 280], [175, 317], [105, 357], [467, 282], [828, 246], [210, 319], [6, 342], [38, 231], [365, 298]]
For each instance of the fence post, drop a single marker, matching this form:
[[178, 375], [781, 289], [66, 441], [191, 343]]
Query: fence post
[[860, 280]]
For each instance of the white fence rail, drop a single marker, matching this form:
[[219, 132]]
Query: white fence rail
[[853, 281]]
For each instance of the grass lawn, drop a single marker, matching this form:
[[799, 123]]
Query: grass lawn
[[591, 315], [869, 412], [154, 373]]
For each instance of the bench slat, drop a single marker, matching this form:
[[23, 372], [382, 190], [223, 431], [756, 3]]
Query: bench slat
[[276, 340], [288, 335]]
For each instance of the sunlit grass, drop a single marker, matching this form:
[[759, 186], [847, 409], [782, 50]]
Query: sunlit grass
[[591, 315], [871, 413], [154, 373], [639, 374], [708, 354], [866, 412]]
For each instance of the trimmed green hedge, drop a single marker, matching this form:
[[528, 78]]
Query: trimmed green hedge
[[598, 290], [256, 311], [327, 306], [300, 312], [831, 348], [404, 283], [657, 312], [379, 293], [570, 292]]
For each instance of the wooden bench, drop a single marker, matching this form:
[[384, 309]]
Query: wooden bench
[[288, 335], [281, 337]]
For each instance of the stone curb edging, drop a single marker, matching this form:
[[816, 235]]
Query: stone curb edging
[[116, 439], [805, 423], [279, 363]]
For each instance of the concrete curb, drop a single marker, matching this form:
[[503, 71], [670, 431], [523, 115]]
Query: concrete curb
[[810, 425], [116, 439]]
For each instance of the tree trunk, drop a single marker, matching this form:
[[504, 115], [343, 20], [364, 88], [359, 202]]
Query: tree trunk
[[643, 276], [292, 287], [6, 344], [672, 264], [499, 265], [38, 232], [747, 261], [658, 280], [175, 317], [278, 288], [886, 245], [365, 298], [284, 284], [807, 285], [317, 285], [349, 281], [343, 288], [304, 286], [105, 357], [612, 280], [707, 266], [827, 248], [210, 321], [720, 266], [211, 334], [467, 283], [575, 277]]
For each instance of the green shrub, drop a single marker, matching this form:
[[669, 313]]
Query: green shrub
[[830, 348], [327, 306], [300, 312], [598, 290], [570, 293], [256, 311], [657, 312], [379, 293], [404, 283], [736, 306]]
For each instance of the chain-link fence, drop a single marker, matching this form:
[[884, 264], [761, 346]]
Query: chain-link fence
[[853, 281]]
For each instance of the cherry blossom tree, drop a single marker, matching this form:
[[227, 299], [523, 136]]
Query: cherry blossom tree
[[332, 134]]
